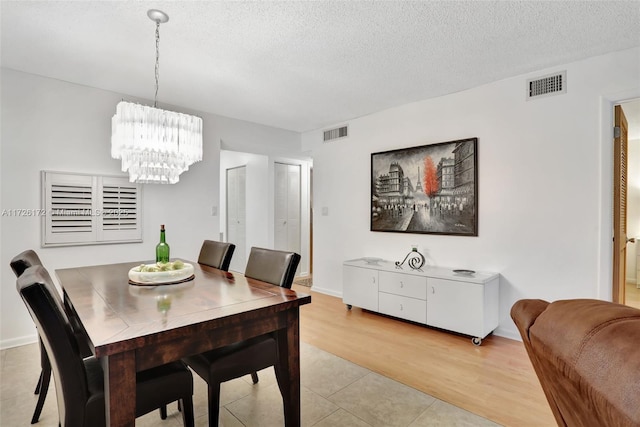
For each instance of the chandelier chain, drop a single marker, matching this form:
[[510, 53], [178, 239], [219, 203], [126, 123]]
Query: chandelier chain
[[157, 70]]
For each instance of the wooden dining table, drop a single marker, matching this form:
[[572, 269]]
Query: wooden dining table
[[132, 327]]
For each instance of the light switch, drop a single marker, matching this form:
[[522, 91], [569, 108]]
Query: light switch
[[325, 211], [214, 211]]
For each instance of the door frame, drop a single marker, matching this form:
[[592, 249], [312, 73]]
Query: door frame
[[604, 289], [620, 210]]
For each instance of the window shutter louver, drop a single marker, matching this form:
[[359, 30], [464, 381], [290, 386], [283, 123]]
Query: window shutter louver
[[68, 204], [120, 219], [71, 207]]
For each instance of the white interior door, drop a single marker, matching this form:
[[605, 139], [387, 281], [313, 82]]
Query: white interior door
[[287, 207], [236, 216]]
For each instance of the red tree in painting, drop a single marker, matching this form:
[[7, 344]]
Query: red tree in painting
[[430, 177]]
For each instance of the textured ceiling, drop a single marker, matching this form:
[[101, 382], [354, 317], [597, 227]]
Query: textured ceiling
[[306, 65]]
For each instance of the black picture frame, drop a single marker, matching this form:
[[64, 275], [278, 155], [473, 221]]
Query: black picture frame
[[429, 189]]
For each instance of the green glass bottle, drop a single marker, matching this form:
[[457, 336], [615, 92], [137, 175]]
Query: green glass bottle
[[162, 248]]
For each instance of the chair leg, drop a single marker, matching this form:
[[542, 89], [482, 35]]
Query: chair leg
[[45, 378], [186, 405], [254, 377], [214, 404], [163, 412], [39, 385], [44, 361]]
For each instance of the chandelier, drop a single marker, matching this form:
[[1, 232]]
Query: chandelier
[[155, 145]]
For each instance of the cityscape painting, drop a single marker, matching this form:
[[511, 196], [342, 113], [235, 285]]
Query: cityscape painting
[[431, 189]]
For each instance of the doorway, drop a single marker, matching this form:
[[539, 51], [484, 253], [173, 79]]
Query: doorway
[[626, 194]]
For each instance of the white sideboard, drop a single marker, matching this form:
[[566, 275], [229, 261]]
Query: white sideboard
[[436, 296]]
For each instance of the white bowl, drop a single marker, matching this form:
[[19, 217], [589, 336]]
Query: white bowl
[[159, 277]]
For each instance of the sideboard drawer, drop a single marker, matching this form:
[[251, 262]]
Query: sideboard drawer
[[403, 307], [403, 284]]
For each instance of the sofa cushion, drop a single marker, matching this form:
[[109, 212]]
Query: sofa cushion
[[586, 354]]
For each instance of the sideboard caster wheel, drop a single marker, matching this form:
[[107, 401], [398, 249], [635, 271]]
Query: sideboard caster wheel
[[349, 306], [476, 341]]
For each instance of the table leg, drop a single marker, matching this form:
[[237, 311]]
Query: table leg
[[120, 389], [288, 368]]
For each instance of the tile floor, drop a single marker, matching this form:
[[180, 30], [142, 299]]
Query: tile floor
[[335, 392]]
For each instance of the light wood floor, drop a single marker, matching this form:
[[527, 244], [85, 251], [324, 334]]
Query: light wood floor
[[632, 295], [495, 380]]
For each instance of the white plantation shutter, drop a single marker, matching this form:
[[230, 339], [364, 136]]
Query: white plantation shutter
[[85, 209], [68, 205], [120, 213]]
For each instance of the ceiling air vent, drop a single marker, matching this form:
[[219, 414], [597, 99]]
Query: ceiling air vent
[[553, 84], [337, 133]]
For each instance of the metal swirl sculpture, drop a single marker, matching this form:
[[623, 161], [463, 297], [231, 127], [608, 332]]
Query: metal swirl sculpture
[[416, 260]]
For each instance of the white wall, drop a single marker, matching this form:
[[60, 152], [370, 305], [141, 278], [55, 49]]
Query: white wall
[[259, 139], [544, 177], [260, 199], [48, 124]]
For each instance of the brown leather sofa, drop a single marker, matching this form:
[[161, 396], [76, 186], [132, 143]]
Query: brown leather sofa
[[586, 354]]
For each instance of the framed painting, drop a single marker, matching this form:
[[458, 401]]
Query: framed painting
[[430, 189]]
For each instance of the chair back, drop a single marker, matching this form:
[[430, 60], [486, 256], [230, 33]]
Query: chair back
[[46, 309], [586, 354], [24, 260], [272, 266], [216, 254]]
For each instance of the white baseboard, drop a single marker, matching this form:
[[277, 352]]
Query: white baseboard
[[17, 342], [315, 288], [505, 333]]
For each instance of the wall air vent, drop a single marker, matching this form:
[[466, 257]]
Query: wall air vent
[[553, 84], [337, 133]]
